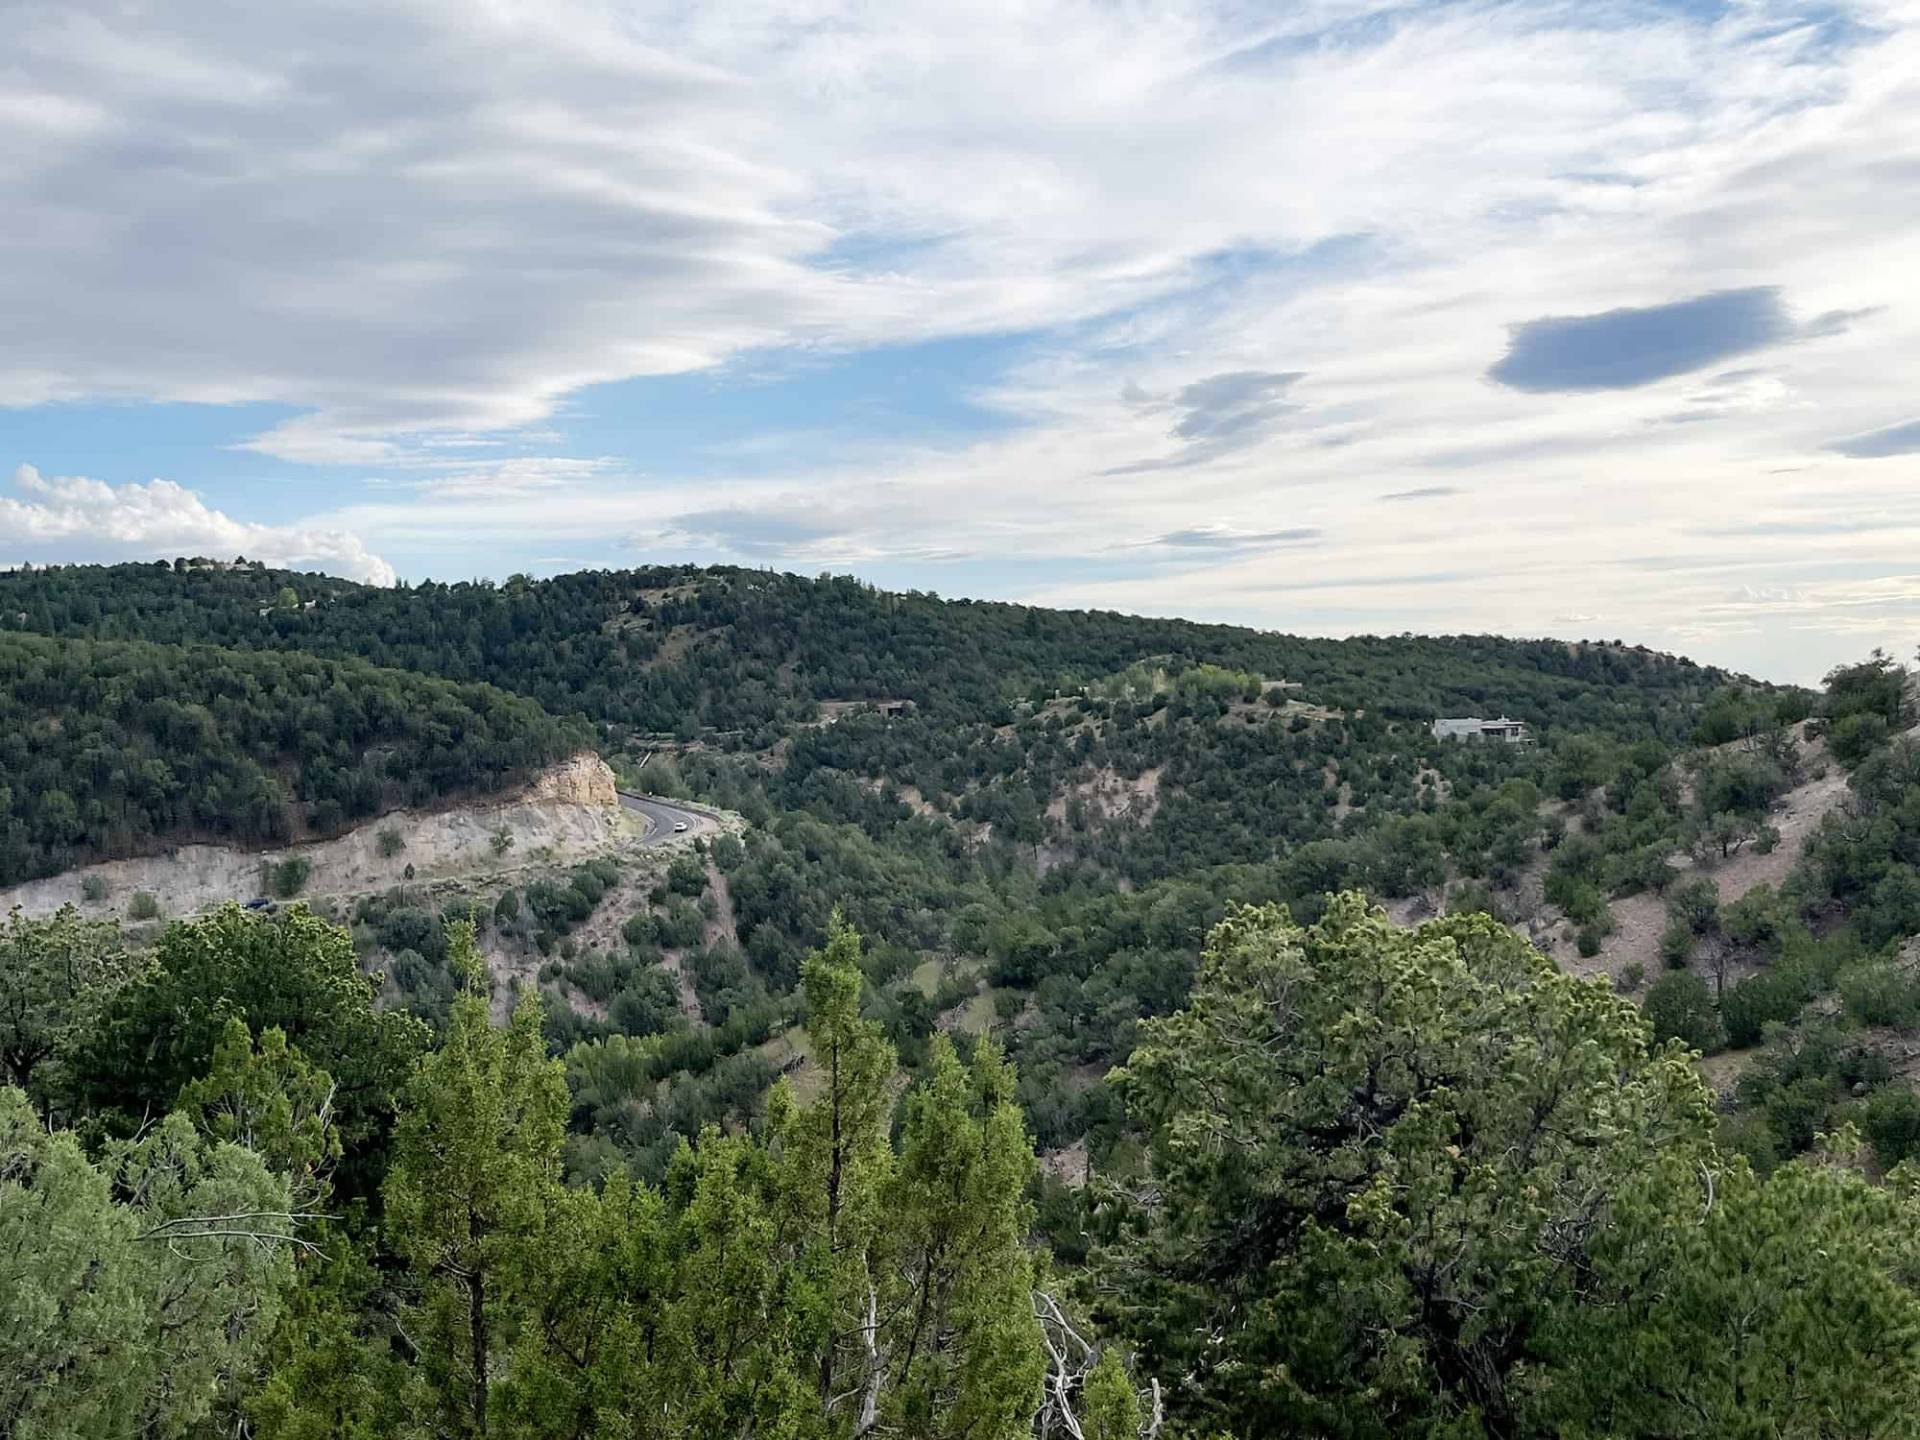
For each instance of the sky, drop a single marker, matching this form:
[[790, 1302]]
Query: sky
[[1587, 319]]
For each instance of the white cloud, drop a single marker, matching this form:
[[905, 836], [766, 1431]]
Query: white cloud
[[423, 222], [73, 518], [422, 215]]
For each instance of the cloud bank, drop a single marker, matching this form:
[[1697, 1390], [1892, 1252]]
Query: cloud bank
[[74, 518], [1254, 262]]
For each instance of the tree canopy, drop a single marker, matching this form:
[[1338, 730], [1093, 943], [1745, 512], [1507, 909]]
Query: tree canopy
[[109, 749]]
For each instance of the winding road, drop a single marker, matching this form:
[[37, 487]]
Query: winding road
[[663, 815]]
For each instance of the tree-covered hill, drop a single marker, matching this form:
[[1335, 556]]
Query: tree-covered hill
[[668, 649], [1347, 1178], [1067, 802], [110, 748]]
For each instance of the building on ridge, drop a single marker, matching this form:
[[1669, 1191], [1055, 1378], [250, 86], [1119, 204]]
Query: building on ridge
[[1472, 727]]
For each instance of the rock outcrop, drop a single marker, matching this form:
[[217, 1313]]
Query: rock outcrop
[[568, 811], [582, 780]]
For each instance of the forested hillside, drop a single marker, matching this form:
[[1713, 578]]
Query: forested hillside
[[677, 648], [110, 748], [1050, 1129], [1395, 1183], [1035, 844]]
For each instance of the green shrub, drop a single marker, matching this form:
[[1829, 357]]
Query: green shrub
[[289, 877], [93, 889], [407, 926], [1676, 944], [1678, 1007], [391, 842], [686, 876], [1773, 996], [646, 1004], [1695, 904], [593, 976], [1881, 994], [466, 911], [1854, 737], [681, 926], [1758, 920], [1890, 1119], [728, 853], [143, 906]]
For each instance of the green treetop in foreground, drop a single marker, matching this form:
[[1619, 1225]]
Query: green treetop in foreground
[[1398, 1183], [1417, 1182]]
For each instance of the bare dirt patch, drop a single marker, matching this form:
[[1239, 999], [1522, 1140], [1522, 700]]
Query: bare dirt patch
[[1638, 922], [1722, 1072], [1799, 815], [560, 817], [1106, 795], [722, 926], [1071, 1166]]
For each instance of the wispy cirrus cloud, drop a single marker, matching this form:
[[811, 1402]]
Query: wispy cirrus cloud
[[1215, 415], [1221, 539], [528, 267], [1901, 439]]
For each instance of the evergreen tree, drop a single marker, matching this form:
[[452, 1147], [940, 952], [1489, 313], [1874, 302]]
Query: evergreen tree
[[835, 1165], [1112, 1408], [962, 1354], [1382, 1160], [55, 974], [135, 1295], [476, 1160]]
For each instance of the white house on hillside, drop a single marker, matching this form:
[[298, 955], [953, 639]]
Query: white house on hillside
[[1472, 727]]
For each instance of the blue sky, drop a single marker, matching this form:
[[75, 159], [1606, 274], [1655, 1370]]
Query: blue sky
[[1337, 316]]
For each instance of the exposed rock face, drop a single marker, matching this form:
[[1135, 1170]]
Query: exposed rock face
[[570, 811], [582, 780]]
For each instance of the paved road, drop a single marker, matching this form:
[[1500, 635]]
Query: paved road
[[663, 815]]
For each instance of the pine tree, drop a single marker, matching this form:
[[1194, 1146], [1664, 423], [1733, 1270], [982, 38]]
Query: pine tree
[[137, 1293], [963, 1354], [835, 1163], [476, 1162], [1112, 1409]]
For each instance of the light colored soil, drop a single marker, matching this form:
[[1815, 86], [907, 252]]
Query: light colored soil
[[791, 1053], [1723, 1071], [559, 819], [723, 925], [1107, 795], [675, 965], [1070, 1166], [1412, 909], [974, 1016], [1799, 816], [908, 795], [1639, 920]]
